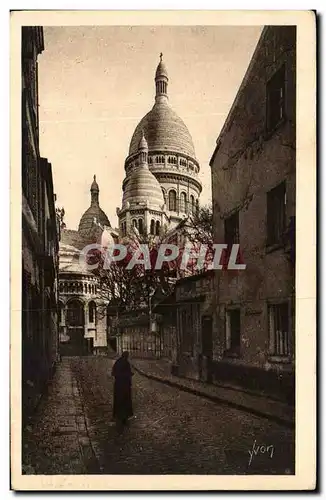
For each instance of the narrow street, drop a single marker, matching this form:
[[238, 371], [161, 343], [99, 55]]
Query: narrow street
[[173, 433]]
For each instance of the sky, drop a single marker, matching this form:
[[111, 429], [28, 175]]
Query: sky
[[97, 82]]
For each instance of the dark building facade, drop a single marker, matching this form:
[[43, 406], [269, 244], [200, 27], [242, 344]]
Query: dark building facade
[[253, 186], [40, 237]]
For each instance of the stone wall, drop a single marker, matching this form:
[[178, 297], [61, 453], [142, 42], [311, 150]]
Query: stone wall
[[247, 163]]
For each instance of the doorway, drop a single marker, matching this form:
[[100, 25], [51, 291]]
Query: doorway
[[207, 348], [76, 344]]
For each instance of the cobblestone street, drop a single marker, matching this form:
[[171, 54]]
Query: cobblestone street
[[174, 432]]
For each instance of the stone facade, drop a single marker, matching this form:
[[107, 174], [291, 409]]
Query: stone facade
[[83, 319], [253, 183], [186, 319], [161, 189], [171, 158], [40, 235]]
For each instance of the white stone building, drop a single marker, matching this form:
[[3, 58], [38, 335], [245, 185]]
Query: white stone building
[[161, 145], [82, 305]]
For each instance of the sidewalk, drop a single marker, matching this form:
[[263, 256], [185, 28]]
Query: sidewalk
[[256, 404], [56, 441]]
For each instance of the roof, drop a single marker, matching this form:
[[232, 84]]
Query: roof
[[72, 238], [164, 131], [87, 220], [246, 78], [161, 70], [142, 186]]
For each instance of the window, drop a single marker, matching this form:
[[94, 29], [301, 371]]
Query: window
[[231, 229], [186, 326], [275, 100], [276, 202], [279, 329], [183, 200], [123, 228], [140, 226], [134, 222], [232, 331], [92, 312], [75, 313], [152, 226], [172, 200], [192, 204], [157, 228]]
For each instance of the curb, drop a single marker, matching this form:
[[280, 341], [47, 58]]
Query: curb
[[279, 420]]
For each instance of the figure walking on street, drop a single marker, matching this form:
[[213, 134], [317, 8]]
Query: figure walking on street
[[122, 400]]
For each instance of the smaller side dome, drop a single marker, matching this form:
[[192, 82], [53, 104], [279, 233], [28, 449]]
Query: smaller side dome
[[142, 186], [94, 214]]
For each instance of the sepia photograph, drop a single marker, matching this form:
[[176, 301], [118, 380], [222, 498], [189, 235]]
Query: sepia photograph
[[157, 192]]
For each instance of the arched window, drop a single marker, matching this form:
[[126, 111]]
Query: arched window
[[192, 204], [89, 289], [75, 313], [140, 226], [172, 200], [152, 226], [92, 312], [157, 228], [183, 200]]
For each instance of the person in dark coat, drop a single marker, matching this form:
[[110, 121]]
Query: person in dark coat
[[122, 400]]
